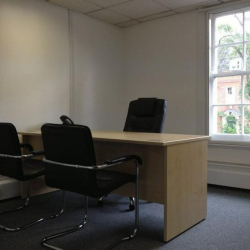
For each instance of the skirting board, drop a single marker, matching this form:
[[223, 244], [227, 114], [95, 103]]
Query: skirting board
[[9, 188], [230, 175]]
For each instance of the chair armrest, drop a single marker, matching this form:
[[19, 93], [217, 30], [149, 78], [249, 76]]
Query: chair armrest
[[27, 146], [33, 154], [37, 153], [120, 160], [28, 156], [124, 159]]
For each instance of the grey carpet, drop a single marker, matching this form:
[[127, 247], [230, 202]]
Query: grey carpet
[[227, 226]]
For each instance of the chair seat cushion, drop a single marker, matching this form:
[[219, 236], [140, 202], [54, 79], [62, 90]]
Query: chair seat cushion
[[108, 181], [32, 169]]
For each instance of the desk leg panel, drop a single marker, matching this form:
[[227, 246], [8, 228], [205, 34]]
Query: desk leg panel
[[186, 187], [151, 177]]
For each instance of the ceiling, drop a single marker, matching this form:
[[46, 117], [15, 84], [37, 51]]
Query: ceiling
[[124, 13]]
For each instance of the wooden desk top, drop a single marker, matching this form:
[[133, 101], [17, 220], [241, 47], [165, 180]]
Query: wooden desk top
[[138, 138]]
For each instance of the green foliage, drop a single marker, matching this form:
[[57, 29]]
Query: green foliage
[[247, 129], [247, 119], [247, 89], [231, 35], [222, 114], [230, 126], [228, 129], [225, 28], [247, 114], [231, 118]]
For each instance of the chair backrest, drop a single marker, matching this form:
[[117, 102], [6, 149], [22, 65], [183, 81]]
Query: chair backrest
[[66, 120], [146, 115], [10, 145], [71, 145]]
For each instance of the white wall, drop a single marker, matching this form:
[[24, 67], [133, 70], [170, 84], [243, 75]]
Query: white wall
[[98, 73], [38, 75], [34, 68], [34, 63], [161, 61]]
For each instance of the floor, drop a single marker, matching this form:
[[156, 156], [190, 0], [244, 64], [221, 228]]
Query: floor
[[227, 226]]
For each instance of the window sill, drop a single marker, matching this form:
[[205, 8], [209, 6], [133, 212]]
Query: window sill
[[230, 140]]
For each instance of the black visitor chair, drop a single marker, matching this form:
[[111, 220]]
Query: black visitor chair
[[145, 115], [71, 166], [67, 121], [20, 167]]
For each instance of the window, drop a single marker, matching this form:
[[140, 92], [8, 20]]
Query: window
[[229, 91], [230, 75], [230, 95]]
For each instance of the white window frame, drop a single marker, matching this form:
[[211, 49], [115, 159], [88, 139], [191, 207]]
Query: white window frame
[[213, 75]]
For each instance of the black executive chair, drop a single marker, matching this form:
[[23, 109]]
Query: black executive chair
[[145, 115], [71, 166], [20, 167]]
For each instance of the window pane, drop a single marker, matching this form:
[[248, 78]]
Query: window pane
[[227, 119], [227, 90], [247, 25], [229, 29], [229, 58], [247, 56], [247, 89]]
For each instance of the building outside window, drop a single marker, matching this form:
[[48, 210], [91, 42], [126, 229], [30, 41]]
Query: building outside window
[[230, 75]]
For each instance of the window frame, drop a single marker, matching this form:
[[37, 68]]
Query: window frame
[[212, 75]]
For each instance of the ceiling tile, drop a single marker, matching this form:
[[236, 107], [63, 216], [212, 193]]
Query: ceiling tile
[[108, 16], [76, 5], [139, 8], [157, 16], [185, 9], [195, 6], [107, 3], [126, 24], [180, 3]]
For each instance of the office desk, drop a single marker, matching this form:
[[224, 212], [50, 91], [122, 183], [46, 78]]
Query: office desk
[[174, 171]]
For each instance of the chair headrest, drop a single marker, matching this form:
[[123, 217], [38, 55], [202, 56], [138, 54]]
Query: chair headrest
[[145, 106]]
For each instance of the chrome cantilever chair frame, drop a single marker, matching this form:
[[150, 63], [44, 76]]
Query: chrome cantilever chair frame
[[80, 226], [26, 203]]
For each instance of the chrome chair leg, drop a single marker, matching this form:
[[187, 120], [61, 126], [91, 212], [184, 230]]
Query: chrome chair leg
[[26, 203], [72, 230], [100, 201], [34, 222], [130, 237], [132, 204]]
